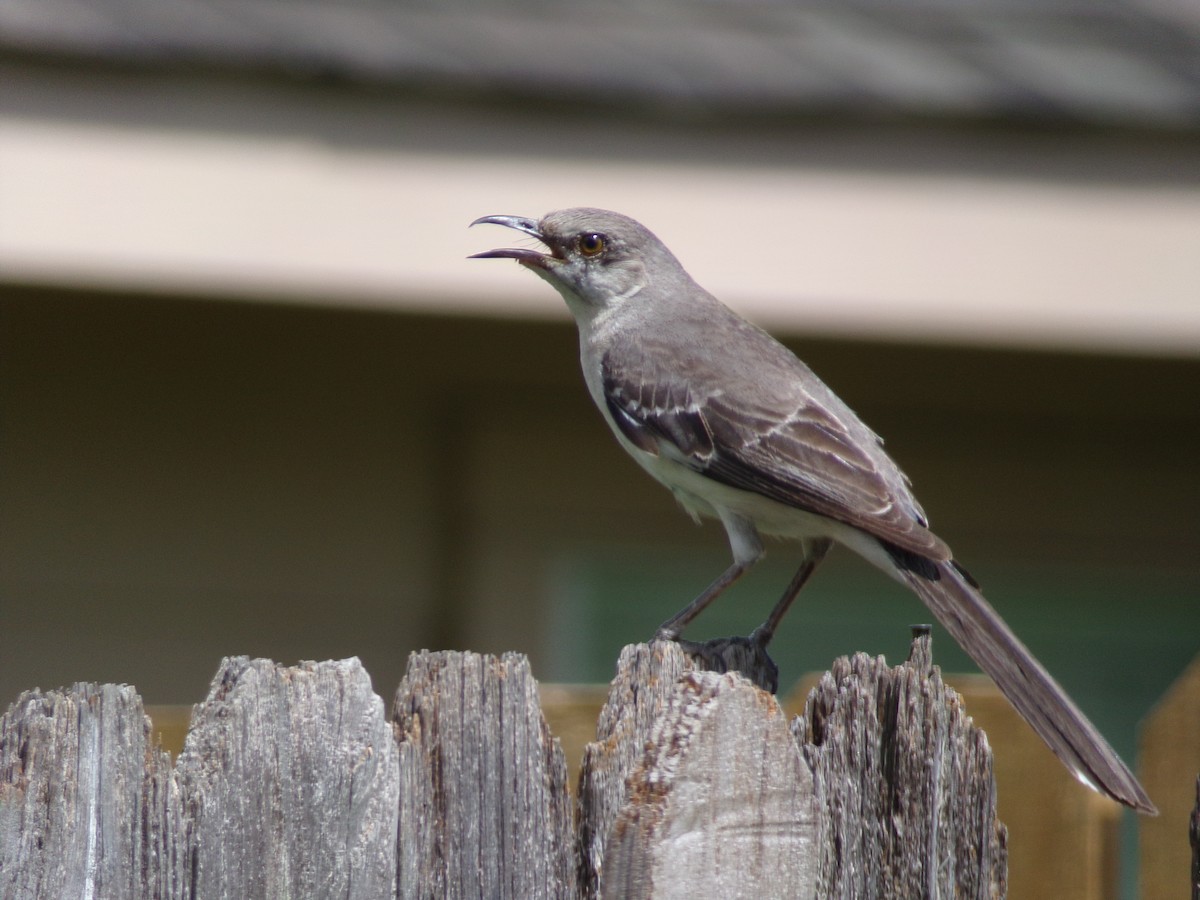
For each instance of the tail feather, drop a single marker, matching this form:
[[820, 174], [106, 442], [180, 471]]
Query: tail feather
[[980, 631]]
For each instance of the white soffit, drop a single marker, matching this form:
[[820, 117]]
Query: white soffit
[[977, 259]]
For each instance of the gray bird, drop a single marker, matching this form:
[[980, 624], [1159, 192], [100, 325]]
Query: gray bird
[[741, 430]]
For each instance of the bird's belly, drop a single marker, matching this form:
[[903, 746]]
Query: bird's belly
[[702, 496]]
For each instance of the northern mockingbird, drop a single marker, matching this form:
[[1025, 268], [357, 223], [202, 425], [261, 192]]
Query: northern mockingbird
[[741, 430]]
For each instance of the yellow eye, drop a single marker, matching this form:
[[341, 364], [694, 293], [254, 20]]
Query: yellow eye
[[591, 244]]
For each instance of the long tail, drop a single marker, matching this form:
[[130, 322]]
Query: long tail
[[979, 630]]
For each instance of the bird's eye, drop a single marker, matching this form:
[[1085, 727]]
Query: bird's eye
[[591, 244]]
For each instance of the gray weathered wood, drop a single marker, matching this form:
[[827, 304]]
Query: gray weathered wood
[[722, 804], [638, 696], [73, 770], [293, 784], [904, 781], [288, 783], [484, 808]]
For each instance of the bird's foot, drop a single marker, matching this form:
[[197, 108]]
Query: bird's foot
[[744, 655]]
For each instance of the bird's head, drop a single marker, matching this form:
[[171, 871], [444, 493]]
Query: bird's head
[[595, 258]]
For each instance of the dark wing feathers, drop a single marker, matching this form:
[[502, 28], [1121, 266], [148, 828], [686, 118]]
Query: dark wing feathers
[[802, 455], [658, 409]]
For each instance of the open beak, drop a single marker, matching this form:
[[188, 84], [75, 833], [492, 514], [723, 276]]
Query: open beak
[[528, 226]]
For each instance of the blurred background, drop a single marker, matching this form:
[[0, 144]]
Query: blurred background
[[254, 399]]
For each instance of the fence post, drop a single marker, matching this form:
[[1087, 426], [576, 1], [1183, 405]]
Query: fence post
[[903, 782], [287, 785], [895, 795], [1169, 760], [292, 783], [484, 807], [721, 805], [1194, 840], [76, 773]]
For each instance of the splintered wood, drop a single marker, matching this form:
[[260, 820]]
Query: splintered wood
[[721, 799], [484, 807], [293, 783], [905, 780]]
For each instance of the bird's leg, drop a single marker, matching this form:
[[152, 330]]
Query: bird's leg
[[814, 552], [747, 655], [673, 627], [747, 550]]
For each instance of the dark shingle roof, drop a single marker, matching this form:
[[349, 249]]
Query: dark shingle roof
[[1116, 62]]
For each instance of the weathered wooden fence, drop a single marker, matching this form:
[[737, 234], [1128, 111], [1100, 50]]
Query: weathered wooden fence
[[1169, 760], [294, 783]]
